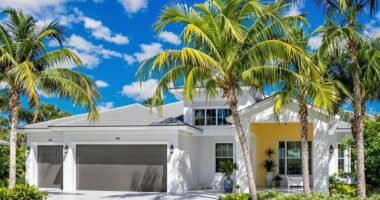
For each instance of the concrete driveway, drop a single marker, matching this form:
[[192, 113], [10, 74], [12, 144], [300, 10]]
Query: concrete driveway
[[85, 195]]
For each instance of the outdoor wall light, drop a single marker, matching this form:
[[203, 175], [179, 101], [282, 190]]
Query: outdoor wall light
[[28, 150], [331, 149], [171, 149], [65, 149]]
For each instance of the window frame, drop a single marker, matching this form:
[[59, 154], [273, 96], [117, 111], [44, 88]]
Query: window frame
[[347, 164], [311, 167], [215, 157], [205, 116]]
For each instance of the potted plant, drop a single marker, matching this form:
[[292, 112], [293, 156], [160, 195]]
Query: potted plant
[[277, 181], [237, 188], [227, 167], [269, 165]]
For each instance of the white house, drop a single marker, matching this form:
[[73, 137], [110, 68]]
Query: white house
[[132, 149]]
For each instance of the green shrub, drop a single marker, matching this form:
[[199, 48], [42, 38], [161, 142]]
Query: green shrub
[[269, 194], [340, 187], [20, 163], [239, 196], [6, 194], [22, 192]]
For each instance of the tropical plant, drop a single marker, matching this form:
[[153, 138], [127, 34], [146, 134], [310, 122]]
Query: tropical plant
[[268, 164], [227, 44], [346, 32], [227, 167], [20, 164], [321, 94], [22, 192], [28, 67]]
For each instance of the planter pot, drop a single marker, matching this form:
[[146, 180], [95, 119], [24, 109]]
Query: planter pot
[[277, 184], [268, 179], [228, 185]]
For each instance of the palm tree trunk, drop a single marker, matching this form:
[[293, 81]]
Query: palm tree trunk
[[304, 143], [232, 101], [14, 105], [358, 125]]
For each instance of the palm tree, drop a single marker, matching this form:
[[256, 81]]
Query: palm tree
[[368, 59], [348, 30], [227, 44], [321, 93], [28, 67]]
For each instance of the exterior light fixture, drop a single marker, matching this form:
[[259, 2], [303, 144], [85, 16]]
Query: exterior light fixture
[[331, 149], [65, 149], [28, 150], [171, 149]]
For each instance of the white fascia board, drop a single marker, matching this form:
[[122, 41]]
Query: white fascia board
[[113, 128]]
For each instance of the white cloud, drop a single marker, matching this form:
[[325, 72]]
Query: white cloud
[[105, 106], [3, 85], [133, 6], [148, 51], [99, 31], [101, 84], [295, 8], [32, 6], [129, 59], [90, 54], [315, 42], [170, 37], [139, 91], [373, 27]]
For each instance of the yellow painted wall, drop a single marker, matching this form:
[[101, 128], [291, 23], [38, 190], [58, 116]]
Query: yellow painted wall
[[268, 135]]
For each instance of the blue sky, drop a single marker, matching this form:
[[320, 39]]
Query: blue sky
[[113, 36]]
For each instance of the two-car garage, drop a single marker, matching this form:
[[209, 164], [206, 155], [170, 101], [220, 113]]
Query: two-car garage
[[108, 167]]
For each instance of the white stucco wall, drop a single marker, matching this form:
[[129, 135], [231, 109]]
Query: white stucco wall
[[206, 160], [187, 161]]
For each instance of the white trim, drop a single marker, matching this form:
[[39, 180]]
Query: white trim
[[120, 142]]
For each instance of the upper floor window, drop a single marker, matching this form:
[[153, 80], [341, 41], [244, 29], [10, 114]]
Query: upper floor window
[[211, 117]]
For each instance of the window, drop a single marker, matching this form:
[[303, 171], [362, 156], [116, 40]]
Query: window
[[211, 117], [199, 118], [341, 157], [289, 158], [222, 115], [223, 151]]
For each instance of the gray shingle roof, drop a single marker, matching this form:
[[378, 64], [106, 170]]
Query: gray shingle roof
[[343, 125], [131, 115]]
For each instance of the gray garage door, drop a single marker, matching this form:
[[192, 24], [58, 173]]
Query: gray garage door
[[50, 159], [121, 167]]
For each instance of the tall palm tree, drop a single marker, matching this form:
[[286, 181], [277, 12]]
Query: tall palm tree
[[348, 30], [368, 58], [27, 66], [227, 44], [321, 94]]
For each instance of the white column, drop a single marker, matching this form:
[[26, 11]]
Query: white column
[[31, 174], [241, 173], [69, 172]]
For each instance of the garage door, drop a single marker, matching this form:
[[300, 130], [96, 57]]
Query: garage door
[[50, 159], [121, 167]]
